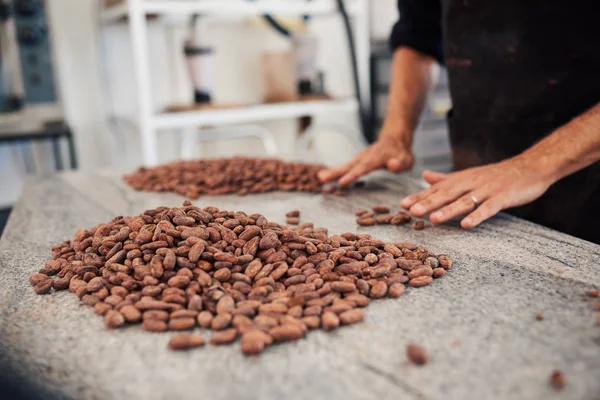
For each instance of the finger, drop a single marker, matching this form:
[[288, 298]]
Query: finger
[[356, 172], [485, 211], [328, 175], [394, 165], [440, 198], [408, 201], [398, 164], [461, 206], [434, 177]]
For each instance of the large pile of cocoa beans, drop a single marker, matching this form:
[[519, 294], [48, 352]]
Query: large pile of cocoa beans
[[235, 273], [239, 175]]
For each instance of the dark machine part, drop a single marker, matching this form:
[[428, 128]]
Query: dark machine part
[[199, 60], [365, 119], [31, 26]]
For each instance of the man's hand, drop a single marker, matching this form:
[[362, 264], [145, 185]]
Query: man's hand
[[481, 191], [388, 153]]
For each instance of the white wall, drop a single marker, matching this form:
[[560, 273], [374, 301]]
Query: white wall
[[84, 83]]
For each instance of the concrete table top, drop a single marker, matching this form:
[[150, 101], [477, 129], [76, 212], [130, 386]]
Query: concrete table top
[[477, 323]]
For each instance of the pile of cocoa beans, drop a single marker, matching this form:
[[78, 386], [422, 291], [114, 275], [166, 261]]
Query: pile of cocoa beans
[[239, 175], [232, 272], [382, 215]]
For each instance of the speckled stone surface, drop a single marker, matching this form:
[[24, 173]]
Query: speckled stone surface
[[477, 323]]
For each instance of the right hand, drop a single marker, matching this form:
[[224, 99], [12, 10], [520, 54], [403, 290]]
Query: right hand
[[390, 153]]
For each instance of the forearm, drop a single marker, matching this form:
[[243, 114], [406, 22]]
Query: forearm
[[570, 148], [410, 84]]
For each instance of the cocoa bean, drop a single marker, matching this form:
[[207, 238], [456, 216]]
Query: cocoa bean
[[221, 321], [378, 290], [44, 287], [421, 271], [330, 320], [159, 315], [114, 319], [380, 209], [343, 287], [416, 354], [179, 324], [395, 290], [286, 332], [420, 281], [131, 314], [226, 336], [352, 316], [185, 342]]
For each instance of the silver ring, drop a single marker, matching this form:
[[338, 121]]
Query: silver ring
[[474, 200]]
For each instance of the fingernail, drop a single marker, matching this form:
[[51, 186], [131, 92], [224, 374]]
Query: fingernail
[[405, 202], [418, 208], [468, 221], [437, 215]]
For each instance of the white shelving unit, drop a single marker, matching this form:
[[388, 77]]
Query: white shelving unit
[[150, 122]]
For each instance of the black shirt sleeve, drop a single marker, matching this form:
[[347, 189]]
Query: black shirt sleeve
[[419, 27]]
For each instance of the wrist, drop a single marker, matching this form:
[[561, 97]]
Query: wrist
[[397, 133], [541, 166]]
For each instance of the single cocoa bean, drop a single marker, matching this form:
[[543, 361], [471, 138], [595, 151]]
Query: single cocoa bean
[[416, 354], [287, 332], [378, 290], [420, 281], [221, 321], [185, 342], [352, 316], [396, 290], [226, 336], [114, 319], [45, 286], [180, 324]]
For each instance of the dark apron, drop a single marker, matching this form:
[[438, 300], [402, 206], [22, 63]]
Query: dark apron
[[519, 69]]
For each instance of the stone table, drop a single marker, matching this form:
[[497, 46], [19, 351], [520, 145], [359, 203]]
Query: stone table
[[477, 323]]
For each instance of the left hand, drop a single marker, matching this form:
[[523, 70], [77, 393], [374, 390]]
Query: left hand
[[482, 192]]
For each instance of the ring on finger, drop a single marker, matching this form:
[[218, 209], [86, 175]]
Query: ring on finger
[[475, 201]]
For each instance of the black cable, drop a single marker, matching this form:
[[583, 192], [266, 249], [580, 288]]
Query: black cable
[[364, 124], [277, 26]]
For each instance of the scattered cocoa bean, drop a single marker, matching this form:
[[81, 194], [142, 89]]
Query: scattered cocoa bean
[[418, 225], [557, 379], [365, 221], [416, 354], [381, 209], [438, 272]]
